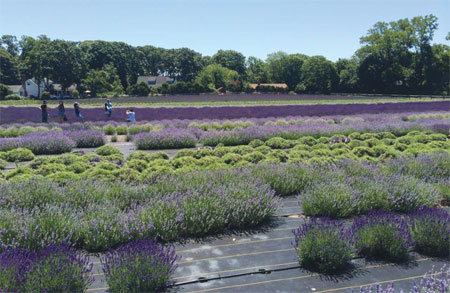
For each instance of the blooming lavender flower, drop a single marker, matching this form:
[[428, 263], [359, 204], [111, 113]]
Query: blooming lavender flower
[[382, 234], [324, 245], [86, 138], [170, 138], [55, 268], [430, 230], [141, 266], [13, 114], [42, 143]]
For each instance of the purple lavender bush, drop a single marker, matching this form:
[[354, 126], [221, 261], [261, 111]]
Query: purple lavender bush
[[40, 143], [55, 268], [324, 245], [382, 235], [141, 266], [86, 138], [14, 264], [170, 138], [430, 231]]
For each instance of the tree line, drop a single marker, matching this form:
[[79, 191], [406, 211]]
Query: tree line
[[394, 57]]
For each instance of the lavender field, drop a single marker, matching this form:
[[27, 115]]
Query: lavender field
[[103, 220], [32, 114]]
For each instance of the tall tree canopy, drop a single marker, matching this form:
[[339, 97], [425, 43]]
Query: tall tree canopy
[[231, 59], [395, 57]]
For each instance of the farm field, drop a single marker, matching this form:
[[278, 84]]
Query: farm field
[[24, 114], [324, 200]]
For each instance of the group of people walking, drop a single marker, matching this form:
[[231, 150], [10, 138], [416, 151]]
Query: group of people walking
[[62, 112]]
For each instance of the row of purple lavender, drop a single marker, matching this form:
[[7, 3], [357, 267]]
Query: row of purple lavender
[[33, 114]]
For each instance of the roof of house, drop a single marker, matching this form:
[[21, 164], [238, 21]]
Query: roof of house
[[14, 88], [154, 80], [280, 85], [58, 87]]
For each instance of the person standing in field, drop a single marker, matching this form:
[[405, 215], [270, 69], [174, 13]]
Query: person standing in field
[[62, 112], [108, 109], [44, 112], [78, 114]]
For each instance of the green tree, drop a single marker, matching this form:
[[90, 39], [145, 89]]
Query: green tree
[[9, 69], [67, 62], [151, 60], [140, 89], [219, 77], [11, 44], [286, 68], [257, 70], [291, 72], [188, 63], [4, 91], [37, 60], [398, 56], [347, 70], [318, 76], [102, 81], [232, 60], [275, 64], [123, 57]]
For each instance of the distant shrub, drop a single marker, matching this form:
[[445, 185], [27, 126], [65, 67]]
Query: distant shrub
[[19, 155], [278, 156], [278, 143], [122, 130], [138, 165], [185, 153], [45, 95], [107, 150], [231, 158], [109, 129], [75, 94], [133, 129], [254, 157], [13, 97], [51, 168], [256, 143], [2, 164]]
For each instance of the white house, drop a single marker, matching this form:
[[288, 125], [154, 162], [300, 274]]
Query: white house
[[155, 81], [29, 88]]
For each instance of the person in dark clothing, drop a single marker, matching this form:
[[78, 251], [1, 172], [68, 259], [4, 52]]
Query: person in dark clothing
[[62, 112], [44, 112], [108, 109], [78, 114]]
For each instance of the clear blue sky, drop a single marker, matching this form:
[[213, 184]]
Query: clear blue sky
[[331, 28]]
